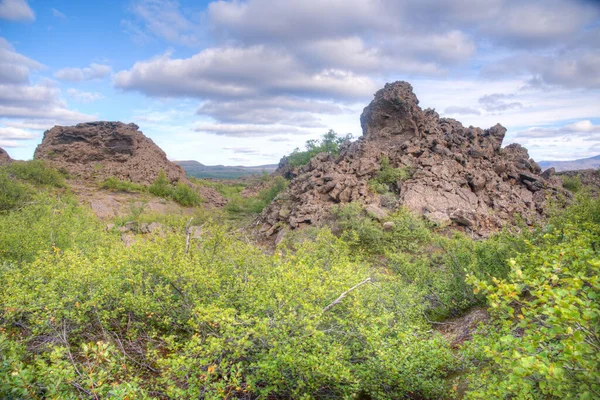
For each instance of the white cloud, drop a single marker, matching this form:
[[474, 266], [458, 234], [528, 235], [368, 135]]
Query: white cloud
[[14, 67], [26, 106], [457, 110], [94, 71], [288, 110], [84, 97], [164, 19], [247, 130], [239, 72], [497, 102], [58, 14], [9, 133], [296, 67], [577, 140], [540, 23], [242, 150], [15, 137], [16, 10]]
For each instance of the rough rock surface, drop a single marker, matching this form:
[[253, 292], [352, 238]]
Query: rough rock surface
[[98, 150], [462, 176], [4, 157]]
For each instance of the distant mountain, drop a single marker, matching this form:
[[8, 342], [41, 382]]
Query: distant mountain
[[199, 170], [190, 164], [583, 163]]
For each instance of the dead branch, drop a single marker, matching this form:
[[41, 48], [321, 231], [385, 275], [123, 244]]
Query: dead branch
[[188, 234], [339, 299]]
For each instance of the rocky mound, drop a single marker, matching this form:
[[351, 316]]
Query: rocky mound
[[4, 157], [459, 176], [98, 150]]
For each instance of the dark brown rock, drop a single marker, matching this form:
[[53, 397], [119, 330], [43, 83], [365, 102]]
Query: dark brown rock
[[98, 150], [460, 175], [4, 157]]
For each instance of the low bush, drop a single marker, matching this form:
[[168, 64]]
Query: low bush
[[544, 336], [114, 183], [329, 143], [181, 193], [37, 172], [226, 189], [239, 206], [572, 183], [13, 194], [388, 177], [407, 232], [222, 320], [185, 195], [47, 223], [161, 186]]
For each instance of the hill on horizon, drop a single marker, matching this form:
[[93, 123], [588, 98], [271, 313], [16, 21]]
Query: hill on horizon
[[198, 170], [582, 163]]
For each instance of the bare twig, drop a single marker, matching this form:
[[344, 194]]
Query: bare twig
[[188, 234], [339, 299]]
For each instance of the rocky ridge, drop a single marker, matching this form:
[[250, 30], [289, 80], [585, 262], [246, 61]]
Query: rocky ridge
[[4, 157], [461, 175], [98, 150]]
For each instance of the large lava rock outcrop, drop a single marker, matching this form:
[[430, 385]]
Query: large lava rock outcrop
[[4, 157], [98, 150], [462, 176]]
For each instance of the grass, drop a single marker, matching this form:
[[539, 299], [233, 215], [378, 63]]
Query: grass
[[36, 172], [226, 189], [388, 176], [239, 206], [114, 183], [572, 183], [161, 187]]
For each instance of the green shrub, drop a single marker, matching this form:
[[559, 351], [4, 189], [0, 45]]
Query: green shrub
[[408, 233], [161, 186], [186, 196], [37, 172], [388, 176], [378, 187], [181, 193], [572, 183], [544, 336], [222, 320], [240, 206], [329, 143], [13, 194], [114, 183], [48, 222], [226, 189]]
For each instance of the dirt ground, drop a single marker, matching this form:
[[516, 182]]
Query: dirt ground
[[108, 204]]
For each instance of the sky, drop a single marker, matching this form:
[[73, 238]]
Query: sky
[[244, 82]]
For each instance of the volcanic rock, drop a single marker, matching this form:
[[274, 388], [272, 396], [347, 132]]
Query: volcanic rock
[[99, 150], [4, 157], [461, 175]]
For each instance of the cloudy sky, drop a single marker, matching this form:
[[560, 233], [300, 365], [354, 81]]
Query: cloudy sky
[[246, 81]]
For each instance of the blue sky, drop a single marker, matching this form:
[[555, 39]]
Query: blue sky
[[244, 82]]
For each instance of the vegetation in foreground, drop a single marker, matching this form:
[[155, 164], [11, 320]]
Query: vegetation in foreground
[[84, 316]]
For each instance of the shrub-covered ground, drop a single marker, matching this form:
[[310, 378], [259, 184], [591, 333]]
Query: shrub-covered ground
[[346, 312]]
